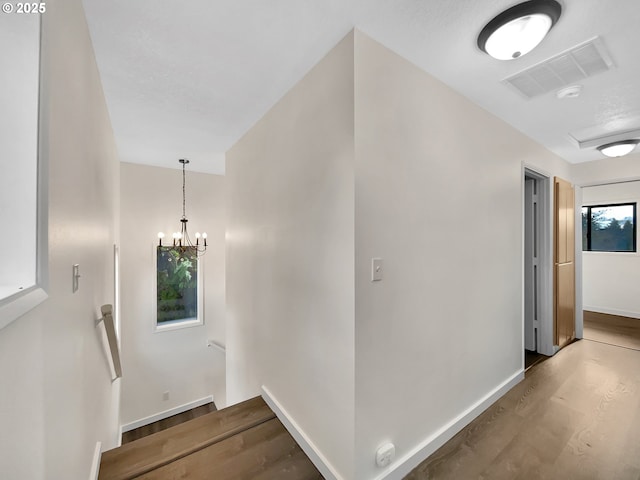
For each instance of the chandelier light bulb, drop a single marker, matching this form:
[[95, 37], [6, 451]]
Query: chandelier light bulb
[[204, 235], [160, 235], [197, 234]]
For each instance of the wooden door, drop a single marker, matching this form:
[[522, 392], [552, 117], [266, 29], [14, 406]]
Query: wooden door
[[564, 266]]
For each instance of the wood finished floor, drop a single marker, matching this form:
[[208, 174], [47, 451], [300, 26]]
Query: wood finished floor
[[264, 452], [612, 329], [245, 441], [576, 416], [169, 422]]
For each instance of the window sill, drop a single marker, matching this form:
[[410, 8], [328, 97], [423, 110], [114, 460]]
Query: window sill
[[178, 324], [607, 253], [14, 306]]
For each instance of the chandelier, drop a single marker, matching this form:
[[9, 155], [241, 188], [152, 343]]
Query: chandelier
[[181, 239]]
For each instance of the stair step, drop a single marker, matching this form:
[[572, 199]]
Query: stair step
[[264, 452], [159, 449]]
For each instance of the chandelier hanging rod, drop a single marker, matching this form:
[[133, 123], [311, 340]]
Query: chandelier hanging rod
[[181, 239]]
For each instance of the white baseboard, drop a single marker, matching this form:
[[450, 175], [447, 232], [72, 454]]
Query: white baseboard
[[612, 311], [401, 467], [95, 464], [166, 414], [315, 455]]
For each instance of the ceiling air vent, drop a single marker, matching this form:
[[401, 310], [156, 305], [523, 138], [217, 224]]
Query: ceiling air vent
[[574, 65]]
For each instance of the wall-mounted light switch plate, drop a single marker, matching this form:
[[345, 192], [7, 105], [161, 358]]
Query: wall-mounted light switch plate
[[76, 277], [376, 269]]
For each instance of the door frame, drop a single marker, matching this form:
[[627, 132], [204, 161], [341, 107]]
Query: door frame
[[577, 262], [545, 330], [578, 258]]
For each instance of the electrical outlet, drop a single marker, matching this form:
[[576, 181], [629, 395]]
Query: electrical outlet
[[165, 395], [385, 454]]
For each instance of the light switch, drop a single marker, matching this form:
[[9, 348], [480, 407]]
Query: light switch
[[76, 278], [376, 269]]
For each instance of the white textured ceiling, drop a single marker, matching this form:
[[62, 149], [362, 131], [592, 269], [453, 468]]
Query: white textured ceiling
[[188, 79]]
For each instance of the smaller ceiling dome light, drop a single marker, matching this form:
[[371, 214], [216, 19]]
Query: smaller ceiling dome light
[[618, 149], [519, 29]]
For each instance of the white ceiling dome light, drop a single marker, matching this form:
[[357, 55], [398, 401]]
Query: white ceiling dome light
[[618, 149], [519, 29]]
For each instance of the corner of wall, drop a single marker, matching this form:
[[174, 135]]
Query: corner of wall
[[290, 256]]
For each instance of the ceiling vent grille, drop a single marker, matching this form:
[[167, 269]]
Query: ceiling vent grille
[[574, 65]]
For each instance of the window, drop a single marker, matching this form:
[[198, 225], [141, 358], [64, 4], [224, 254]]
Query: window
[[178, 287], [609, 228], [23, 175]]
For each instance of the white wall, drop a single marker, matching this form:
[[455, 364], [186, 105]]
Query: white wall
[[439, 199], [56, 395], [290, 257], [177, 361], [433, 185], [607, 170], [611, 279]]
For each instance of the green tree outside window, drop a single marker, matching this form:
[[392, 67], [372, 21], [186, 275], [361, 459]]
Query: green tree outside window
[[609, 228], [177, 284]]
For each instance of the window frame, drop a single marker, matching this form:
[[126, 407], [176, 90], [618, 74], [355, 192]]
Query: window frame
[[16, 305], [608, 205], [178, 324]]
